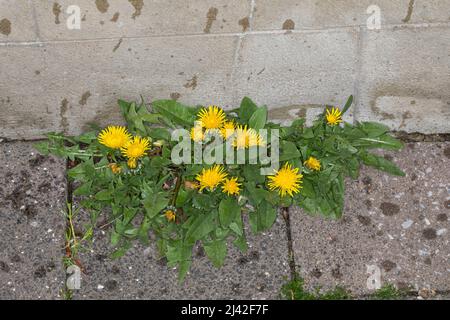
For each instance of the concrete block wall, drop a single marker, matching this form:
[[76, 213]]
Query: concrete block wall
[[293, 55]]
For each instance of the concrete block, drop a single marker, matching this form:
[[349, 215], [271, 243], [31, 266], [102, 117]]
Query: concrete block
[[312, 14], [62, 86], [16, 21], [143, 274], [138, 18], [405, 79], [397, 227], [32, 197], [297, 69]]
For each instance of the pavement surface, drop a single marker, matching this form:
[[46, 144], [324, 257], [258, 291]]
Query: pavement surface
[[394, 230], [32, 197]]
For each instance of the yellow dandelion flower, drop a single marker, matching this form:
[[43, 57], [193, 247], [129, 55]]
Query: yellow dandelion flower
[[247, 137], [197, 134], [210, 178], [231, 186], [136, 147], [115, 168], [334, 116], [312, 163], [132, 163], [287, 180], [228, 129], [212, 117], [170, 215], [114, 137]]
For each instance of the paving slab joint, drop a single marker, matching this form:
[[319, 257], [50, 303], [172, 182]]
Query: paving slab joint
[[291, 257]]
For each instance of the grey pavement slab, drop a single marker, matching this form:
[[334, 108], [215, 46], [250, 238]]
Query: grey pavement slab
[[32, 195], [397, 226], [142, 274]]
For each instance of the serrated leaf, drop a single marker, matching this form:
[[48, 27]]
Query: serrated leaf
[[200, 227], [84, 189], [176, 112], [229, 211], [263, 218], [216, 252], [382, 164]]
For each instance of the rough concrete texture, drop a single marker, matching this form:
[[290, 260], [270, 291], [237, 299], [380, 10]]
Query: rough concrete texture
[[270, 70], [398, 224], [138, 18], [17, 23], [283, 54], [142, 274], [32, 195], [82, 81], [313, 14], [406, 87]]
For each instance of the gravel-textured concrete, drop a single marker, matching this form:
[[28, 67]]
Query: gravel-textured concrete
[[142, 274], [32, 195], [398, 224]]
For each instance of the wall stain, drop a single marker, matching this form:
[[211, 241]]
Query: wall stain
[[175, 96], [289, 25], [84, 98], [138, 5], [5, 27], [102, 5], [62, 114], [57, 12], [191, 83], [117, 45], [115, 17], [211, 16], [244, 23], [410, 11]]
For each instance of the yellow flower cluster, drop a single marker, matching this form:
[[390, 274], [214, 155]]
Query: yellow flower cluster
[[213, 119], [133, 148], [214, 176]]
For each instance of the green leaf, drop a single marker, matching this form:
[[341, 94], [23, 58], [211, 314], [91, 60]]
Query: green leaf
[[155, 203], [258, 119], [176, 112], [288, 151], [248, 107], [237, 228], [42, 147], [253, 173], [348, 104], [121, 251], [229, 211], [373, 129], [216, 252], [84, 189], [200, 227], [263, 218], [256, 195], [241, 243], [103, 195], [382, 164], [385, 142]]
